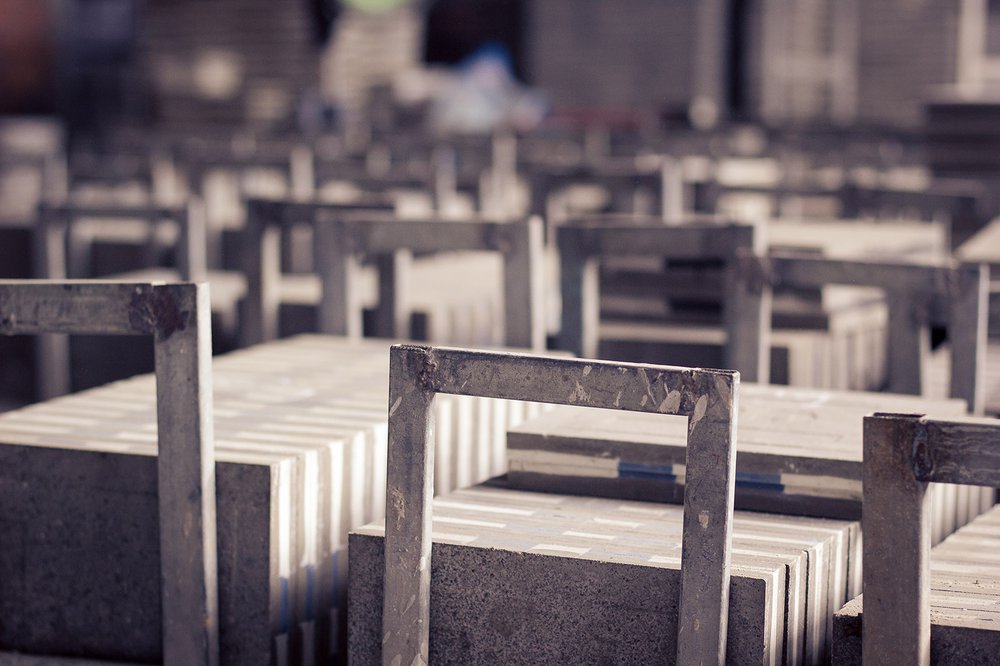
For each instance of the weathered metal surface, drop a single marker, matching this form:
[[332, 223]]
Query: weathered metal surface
[[177, 318], [746, 306], [903, 453], [706, 397], [959, 451], [186, 472], [897, 541]]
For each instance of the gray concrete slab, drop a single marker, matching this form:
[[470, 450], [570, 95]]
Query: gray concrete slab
[[521, 577], [301, 428], [964, 600]]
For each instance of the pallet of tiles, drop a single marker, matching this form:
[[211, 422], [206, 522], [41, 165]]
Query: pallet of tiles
[[841, 347], [457, 299], [799, 452], [831, 338], [586, 580], [964, 599], [300, 427]]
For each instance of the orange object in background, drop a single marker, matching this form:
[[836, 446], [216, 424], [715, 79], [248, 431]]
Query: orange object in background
[[27, 56]]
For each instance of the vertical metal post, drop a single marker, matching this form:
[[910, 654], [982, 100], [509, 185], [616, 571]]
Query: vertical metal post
[[252, 313], [262, 266], [897, 532], [192, 252], [409, 493], [708, 104], [392, 312], [672, 190], [747, 313], [524, 283], [968, 306], [909, 346], [52, 351], [339, 269], [186, 473], [708, 524], [580, 289]]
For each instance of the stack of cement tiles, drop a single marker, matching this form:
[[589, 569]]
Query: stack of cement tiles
[[301, 427], [835, 338], [799, 452], [522, 577], [456, 298], [965, 600]]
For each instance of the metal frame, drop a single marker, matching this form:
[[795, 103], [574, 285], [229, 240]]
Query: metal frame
[[707, 397], [267, 221], [902, 454], [177, 317], [622, 181], [343, 238], [958, 202], [746, 306], [60, 255], [50, 169], [956, 293]]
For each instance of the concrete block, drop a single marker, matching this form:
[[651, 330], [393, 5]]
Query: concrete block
[[80, 561], [965, 600], [798, 452], [301, 431], [521, 577]]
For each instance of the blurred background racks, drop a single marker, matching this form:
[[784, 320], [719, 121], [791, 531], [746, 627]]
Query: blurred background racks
[[805, 192]]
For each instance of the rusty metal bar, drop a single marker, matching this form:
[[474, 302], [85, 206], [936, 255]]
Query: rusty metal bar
[[706, 397], [177, 317]]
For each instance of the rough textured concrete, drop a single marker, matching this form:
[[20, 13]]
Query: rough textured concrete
[[965, 600], [301, 432], [79, 567], [532, 608], [523, 577]]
